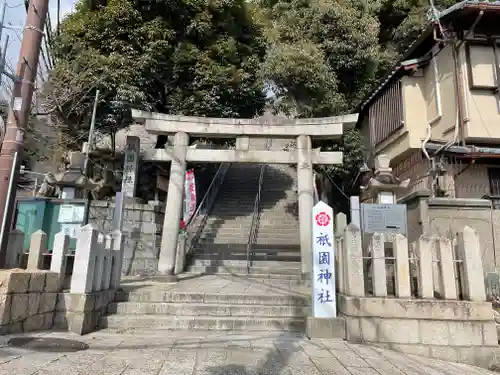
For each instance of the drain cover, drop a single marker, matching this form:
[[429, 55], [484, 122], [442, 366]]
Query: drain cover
[[47, 344]]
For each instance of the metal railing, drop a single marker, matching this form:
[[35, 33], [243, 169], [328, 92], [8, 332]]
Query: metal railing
[[200, 216], [256, 213]]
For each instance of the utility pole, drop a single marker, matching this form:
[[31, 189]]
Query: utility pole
[[24, 84], [87, 157]]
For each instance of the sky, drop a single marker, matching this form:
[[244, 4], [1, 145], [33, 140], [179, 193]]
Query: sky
[[16, 17]]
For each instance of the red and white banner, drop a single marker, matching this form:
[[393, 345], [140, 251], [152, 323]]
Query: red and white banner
[[189, 196], [315, 189]]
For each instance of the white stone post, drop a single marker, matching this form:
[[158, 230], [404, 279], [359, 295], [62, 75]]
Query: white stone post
[[469, 252], [379, 273], [108, 262], [117, 258], [425, 268], [353, 266], [355, 211], [306, 202], [99, 262], [38, 247], [340, 226], [15, 249], [402, 267], [446, 269], [58, 261], [85, 260], [173, 210]]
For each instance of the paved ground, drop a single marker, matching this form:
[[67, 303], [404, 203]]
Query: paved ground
[[209, 354]]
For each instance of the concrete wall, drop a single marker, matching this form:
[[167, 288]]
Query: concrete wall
[[142, 228], [448, 216]]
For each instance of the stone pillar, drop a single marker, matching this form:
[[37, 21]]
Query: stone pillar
[[447, 269], [402, 261], [425, 268], [469, 250], [131, 167], [85, 260], [379, 279], [353, 262], [58, 262], [173, 209], [340, 226], [355, 211], [38, 247], [306, 202], [117, 258], [108, 262], [99, 262], [15, 249]]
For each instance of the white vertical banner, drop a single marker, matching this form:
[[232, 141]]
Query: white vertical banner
[[323, 242]]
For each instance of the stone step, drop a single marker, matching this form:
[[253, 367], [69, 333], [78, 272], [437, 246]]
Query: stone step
[[205, 309], [263, 223], [256, 249], [292, 277], [161, 296], [266, 230], [270, 264], [233, 270], [242, 247], [206, 323], [217, 257], [229, 237]]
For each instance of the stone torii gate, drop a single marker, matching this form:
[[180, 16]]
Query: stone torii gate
[[182, 127]]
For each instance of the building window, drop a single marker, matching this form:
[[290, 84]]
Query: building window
[[481, 61], [386, 113]]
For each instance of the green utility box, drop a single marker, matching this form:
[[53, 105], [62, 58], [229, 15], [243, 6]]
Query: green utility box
[[50, 215]]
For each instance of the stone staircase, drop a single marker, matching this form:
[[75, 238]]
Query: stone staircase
[[208, 303], [216, 292], [223, 244]]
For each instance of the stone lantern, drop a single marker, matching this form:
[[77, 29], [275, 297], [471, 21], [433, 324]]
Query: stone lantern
[[384, 184], [70, 183]]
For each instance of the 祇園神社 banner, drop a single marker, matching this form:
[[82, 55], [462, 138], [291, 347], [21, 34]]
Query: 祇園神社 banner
[[323, 244]]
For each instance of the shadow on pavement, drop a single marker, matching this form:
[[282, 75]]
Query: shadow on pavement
[[47, 344], [274, 363]]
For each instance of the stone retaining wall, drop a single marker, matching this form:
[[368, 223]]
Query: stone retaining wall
[[27, 300], [80, 313], [439, 306], [142, 227], [458, 331]]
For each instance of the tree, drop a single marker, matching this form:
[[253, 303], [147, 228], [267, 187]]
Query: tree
[[324, 57], [187, 57], [402, 21]]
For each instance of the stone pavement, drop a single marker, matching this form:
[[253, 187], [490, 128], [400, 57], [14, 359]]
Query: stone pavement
[[198, 353]]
